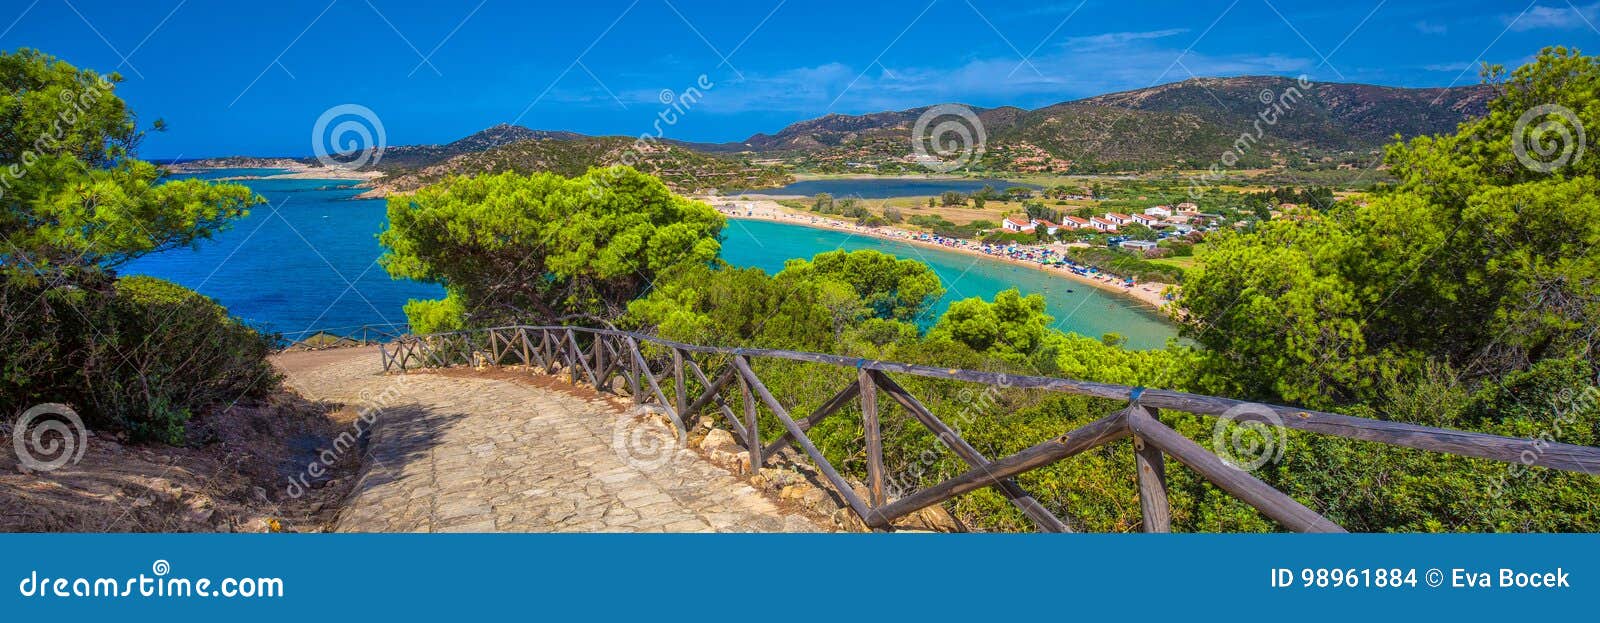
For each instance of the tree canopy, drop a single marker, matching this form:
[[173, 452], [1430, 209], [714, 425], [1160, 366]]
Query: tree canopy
[[137, 354], [891, 288], [72, 193], [515, 247], [1474, 259], [843, 301]]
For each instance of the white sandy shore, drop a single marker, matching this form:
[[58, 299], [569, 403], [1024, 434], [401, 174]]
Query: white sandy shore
[[296, 170], [1148, 293]]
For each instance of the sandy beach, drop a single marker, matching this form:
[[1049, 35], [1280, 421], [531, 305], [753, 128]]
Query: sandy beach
[[313, 173], [296, 170], [1149, 293]]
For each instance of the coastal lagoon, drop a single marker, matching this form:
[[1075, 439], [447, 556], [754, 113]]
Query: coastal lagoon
[[307, 260], [881, 188], [1077, 307]]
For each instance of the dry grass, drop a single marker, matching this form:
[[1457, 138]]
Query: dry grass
[[231, 476]]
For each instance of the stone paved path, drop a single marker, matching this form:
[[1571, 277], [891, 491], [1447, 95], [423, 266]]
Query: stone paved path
[[467, 453]]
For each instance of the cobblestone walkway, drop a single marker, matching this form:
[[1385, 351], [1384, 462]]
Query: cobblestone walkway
[[463, 453]]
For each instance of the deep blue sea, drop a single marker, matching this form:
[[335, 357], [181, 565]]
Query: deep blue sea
[[884, 188], [307, 261]]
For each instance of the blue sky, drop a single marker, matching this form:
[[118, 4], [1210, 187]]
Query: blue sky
[[230, 79]]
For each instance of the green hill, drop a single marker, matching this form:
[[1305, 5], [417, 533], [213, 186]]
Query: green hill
[[683, 169]]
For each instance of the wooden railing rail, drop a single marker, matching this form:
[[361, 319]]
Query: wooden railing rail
[[600, 357]]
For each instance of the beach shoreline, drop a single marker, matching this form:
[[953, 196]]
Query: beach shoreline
[[1148, 294], [296, 170]]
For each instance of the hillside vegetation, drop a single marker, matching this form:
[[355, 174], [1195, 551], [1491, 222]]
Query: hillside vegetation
[[682, 169], [1188, 124], [1462, 297]]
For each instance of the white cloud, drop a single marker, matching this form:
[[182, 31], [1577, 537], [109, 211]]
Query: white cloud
[[1077, 67], [1448, 67], [1565, 17], [1430, 28]]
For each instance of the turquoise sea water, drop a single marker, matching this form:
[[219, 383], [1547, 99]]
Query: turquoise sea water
[[1077, 307], [307, 261]]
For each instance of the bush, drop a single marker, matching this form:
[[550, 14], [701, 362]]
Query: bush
[[174, 352], [1180, 248], [1126, 265], [136, 354]]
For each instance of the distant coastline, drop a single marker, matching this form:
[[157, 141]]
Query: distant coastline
[[297, 170], [1149, 294]]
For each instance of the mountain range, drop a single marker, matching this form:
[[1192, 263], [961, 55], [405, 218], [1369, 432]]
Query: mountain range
[[1188, 124], [1262, 121]]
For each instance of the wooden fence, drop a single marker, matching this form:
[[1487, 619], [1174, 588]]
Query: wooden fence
[[599, 356], [342, 337]]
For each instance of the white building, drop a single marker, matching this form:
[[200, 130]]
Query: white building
[[1146, 220], [1016, 225]]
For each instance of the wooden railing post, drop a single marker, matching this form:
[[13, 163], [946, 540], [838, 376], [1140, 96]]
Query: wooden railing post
[[635, 386], [874, 437], [600, 371], [1154, 508], [1271, 502], [549, 356], [840, 485], [655, 389], [752, 432], [680, 388], [574, 355]]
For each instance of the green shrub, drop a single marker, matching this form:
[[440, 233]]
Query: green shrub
[[48, 319], [171, 353], [137, 354]]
